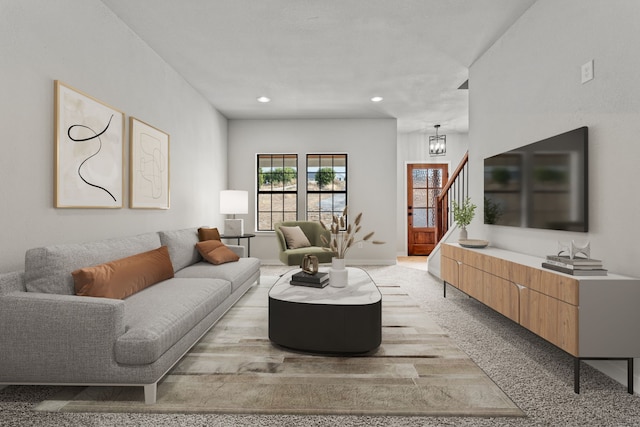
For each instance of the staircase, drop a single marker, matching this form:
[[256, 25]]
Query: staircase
[[456, 189]]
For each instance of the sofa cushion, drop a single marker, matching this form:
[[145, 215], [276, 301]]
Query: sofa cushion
[[295, 237], [123, 277], [48, 269], [159, 316], [216, 252], [208, 234], [182, 247], [12, 282], [235, 272]]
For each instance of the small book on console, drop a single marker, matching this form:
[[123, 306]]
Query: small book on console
[[574, 261], [576, 271], [309, 284], [319, 277], [575, 266]]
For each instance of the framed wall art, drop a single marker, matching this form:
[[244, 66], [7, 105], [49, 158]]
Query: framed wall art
[[148, 166], [89, 151]]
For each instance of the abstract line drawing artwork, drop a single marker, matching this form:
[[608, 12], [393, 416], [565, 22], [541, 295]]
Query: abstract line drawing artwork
[[149, 166], [89, 139]]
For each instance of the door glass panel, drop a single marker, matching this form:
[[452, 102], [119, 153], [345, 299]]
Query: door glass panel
[[435, 178], [433, 195], [420, 178], [431, 217], [419, 198], [420, 217]]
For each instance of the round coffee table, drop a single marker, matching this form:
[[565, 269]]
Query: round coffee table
[[326, 320]]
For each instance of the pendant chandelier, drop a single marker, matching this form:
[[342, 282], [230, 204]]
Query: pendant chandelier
[[437, 143]]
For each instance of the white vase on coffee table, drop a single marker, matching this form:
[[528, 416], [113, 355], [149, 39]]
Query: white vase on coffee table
[[338, 274]]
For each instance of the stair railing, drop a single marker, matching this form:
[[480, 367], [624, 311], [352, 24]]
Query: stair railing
[[456, 188]]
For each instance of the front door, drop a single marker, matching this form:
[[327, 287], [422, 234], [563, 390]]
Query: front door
[[424, 182]]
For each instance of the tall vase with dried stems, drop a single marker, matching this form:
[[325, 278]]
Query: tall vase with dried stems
[[343, 237], [338, 273]]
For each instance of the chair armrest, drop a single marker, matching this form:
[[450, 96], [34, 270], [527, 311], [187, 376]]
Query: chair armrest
[[280, 238], [54, 335], [241, 251]]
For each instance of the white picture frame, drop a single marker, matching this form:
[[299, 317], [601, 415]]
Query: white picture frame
[[89, 151], [148, 166]]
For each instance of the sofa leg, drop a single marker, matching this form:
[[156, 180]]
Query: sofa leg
[[150, 391]]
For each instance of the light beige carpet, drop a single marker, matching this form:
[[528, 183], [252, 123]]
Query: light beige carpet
[[417, 370]]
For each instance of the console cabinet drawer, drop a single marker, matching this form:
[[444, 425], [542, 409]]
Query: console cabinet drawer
[[452, 252], [450, 271], [550, 318], [471, 282], [502, 296], [558, 286], [524, 275], [497, 266], [473, 258]]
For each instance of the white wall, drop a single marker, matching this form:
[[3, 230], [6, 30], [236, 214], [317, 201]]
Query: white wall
[[527, 87], [83, 44], [413, 148], [371, 162]]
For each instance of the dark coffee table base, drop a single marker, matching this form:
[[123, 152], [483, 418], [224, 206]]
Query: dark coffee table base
[[325, 328]]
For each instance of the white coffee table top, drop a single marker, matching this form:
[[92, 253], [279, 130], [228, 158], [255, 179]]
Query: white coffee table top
[[361, 290]]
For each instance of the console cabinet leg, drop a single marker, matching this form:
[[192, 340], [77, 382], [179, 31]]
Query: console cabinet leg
[[630, 375], [576, 375]]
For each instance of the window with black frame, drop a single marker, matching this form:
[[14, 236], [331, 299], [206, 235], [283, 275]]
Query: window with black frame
[[277, 198], [326, 186]]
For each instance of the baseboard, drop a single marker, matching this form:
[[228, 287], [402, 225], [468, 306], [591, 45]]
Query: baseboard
[[371, 261], [270, 262]]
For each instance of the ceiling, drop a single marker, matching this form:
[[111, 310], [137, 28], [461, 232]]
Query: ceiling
[[326, 58]]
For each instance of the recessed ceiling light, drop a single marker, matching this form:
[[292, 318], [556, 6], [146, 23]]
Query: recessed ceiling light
[[377, 99], [264, 99]]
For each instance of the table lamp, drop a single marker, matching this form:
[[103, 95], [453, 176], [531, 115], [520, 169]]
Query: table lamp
[[234, 202]]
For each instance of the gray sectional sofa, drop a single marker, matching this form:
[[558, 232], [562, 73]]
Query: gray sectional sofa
[[49, 335]]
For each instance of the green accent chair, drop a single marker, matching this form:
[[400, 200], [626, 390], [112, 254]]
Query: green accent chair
[[313, 230]]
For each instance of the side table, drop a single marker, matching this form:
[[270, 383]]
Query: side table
[[242, 236]]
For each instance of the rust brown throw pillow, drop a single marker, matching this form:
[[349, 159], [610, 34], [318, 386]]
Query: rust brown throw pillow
[[124, 277], [216, 252], [208, 234]]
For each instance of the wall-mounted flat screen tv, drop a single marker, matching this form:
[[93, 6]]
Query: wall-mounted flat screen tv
[[541, 185]]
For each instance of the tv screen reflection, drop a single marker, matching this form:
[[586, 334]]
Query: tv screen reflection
[[540, 185]]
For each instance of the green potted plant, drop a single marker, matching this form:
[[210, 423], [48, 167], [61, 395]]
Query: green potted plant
[[462, 215]]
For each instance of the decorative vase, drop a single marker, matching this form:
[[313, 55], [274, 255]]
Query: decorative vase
[[338, 274], [463, 234]]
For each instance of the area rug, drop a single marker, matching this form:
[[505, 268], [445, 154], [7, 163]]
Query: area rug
[[417, 371]]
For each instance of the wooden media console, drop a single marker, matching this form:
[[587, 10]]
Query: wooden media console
[[589, 317]]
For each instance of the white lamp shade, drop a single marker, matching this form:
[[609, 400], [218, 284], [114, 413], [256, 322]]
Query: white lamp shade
[[234, 202]]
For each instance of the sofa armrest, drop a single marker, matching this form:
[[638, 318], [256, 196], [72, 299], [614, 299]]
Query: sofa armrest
[[241, 251], [55, 336]]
